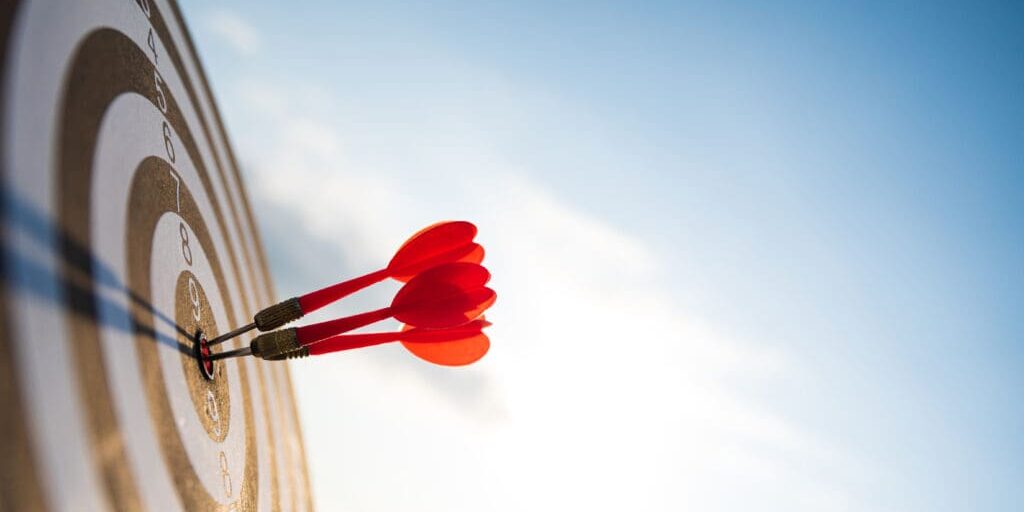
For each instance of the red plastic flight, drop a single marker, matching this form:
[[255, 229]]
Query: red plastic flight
[[445, 296], [458, 349], [444, 242]]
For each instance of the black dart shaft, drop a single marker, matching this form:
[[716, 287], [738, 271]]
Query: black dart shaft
[[238, 352]]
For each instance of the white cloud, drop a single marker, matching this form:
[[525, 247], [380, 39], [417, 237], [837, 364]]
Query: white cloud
[[599, 393], [234, 30]]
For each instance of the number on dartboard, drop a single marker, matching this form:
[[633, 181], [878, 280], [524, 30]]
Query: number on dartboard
[[152, 44], [213, 412], [144, 5], [193, 296], [161, 99], [177, 190], [224, 474], [168, 144], [186, 249]]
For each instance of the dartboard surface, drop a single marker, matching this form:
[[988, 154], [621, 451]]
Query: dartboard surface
[[126, 230]]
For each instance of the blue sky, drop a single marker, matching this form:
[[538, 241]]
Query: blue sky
[[788, 235]]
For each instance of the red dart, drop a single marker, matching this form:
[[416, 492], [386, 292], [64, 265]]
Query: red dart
[[444, 296], [417, 335], [449, 295], [434, 245], [453, 346]]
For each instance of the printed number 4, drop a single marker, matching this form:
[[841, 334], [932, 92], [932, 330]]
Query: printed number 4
[[152, 44]]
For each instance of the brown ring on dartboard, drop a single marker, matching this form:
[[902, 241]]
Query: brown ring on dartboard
[[106, 65]]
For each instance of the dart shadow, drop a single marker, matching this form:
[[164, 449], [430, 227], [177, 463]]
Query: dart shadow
[[81, 282]]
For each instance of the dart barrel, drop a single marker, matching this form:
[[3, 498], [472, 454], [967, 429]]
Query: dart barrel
[[295, 354], [279, 314], [276, 343]]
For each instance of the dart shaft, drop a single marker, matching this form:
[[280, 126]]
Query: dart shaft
[[313, 301], [238, 352], [315, 332], [351, 341], [231, 334]]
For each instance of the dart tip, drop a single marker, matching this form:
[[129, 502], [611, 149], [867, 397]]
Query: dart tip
[[231, 334]]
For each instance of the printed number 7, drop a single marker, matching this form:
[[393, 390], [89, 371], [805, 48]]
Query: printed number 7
[[177, 189]]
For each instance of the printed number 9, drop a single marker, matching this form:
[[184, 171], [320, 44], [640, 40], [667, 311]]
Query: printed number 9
[[213, 412], [193, 295]]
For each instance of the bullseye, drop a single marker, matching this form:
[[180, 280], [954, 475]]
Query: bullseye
[[202, 353]]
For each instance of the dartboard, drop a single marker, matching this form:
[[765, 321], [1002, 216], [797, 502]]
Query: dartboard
[[126, 233]]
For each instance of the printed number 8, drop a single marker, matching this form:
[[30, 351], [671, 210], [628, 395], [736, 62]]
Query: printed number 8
[[186, 250]]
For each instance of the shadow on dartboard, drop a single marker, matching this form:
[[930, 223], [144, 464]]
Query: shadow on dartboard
[[34, 278]]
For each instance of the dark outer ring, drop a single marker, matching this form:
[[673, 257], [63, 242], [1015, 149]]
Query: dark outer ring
[[20, 487], [153, 194]]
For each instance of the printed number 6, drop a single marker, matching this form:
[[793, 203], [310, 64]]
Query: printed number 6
[[168, 144], [225, 476]]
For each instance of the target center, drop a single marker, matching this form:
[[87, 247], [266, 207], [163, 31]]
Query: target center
[[202, 352]]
